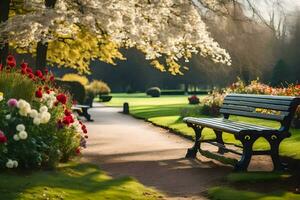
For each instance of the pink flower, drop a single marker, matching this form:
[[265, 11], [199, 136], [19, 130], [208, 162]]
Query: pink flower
[[12, 103]]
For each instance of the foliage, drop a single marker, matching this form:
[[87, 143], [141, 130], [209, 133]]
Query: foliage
[[213, 102], [74, 88], [105, 98], [72, 181], [280, 73], [41, 130], [154, 28], [153, 92], [75, 77], [98, 87], [194, 100]]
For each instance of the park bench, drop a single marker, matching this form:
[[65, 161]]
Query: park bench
[[276, 108], [82, 109]]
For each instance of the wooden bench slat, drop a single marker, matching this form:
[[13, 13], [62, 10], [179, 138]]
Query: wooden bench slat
[[285, 98], [253, 100], [221, 124], [255, 105], [255, 115]]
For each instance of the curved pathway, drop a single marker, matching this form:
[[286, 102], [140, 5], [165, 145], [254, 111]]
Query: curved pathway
[[124, 146]]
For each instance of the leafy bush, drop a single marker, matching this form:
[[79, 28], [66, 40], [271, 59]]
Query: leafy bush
[[97, 87], [105, 98], [74, 88], [153, 92], [37, 128], [213, 102], [194, 100], [75, 77]]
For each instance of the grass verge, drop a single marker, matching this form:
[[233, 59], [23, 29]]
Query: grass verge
[[71, 181]]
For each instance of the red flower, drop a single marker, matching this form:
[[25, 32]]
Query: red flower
[[78, 151], [39, 74], [29, 70], [51, 78], [11, 61], [30, 75], [3, 138], [39, 93], [46, 71], [67, 113], [62, 98], [24, 65], [68, 120], [1, 67]]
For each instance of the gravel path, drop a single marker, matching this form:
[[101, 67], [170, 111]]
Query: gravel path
[[124, 146]]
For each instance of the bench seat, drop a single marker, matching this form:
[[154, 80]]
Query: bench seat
[[226, 125]]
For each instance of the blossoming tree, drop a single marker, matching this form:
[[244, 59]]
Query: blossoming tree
[[83, 30]]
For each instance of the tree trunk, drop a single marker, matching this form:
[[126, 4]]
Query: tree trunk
[[4, 11], [41, 55], [41, 51]]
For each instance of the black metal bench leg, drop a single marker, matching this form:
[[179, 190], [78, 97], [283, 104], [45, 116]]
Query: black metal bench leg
[[275, 141], [219, 139], [247, 142], [86, 114], [192, 152]]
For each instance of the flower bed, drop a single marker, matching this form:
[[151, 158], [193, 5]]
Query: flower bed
[[37, 128], [212, 103]]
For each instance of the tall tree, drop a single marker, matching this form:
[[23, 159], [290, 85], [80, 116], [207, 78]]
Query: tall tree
[[160, 29], [42, 46], [4, 12]]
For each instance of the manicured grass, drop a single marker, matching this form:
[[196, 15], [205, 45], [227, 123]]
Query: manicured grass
[[71, 181], [166, 111], [141, 99], [228, 193]]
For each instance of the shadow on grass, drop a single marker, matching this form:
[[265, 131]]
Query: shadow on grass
[[70, 181]]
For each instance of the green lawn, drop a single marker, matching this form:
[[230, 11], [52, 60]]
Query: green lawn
[[166, 111], [71, 181]]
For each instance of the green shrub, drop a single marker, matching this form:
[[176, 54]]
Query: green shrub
[[37, 127], [97, 87], [75, 77], [76, 90], [153, 92], [105, 98]]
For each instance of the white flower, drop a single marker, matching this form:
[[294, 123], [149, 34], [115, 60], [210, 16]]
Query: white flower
[[16, 137], [23, 135], [43, 109], [34, 113], [15, 163], [37, 121], [8, 117], [20, 127], [10, 164], [45, 117]]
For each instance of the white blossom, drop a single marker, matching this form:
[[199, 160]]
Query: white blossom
[[158, 27], [20, 127], [23, 135]]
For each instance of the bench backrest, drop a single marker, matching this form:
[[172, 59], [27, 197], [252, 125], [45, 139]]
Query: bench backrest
[[277, 108]]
